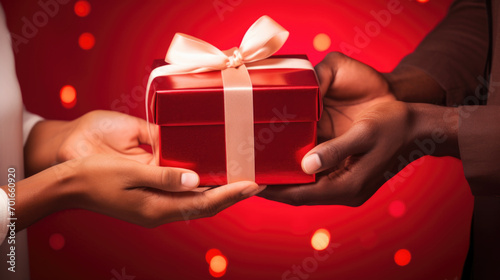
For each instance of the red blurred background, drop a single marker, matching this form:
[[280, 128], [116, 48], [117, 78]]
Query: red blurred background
[[428, 213]]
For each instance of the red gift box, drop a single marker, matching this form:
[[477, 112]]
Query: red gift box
[[189, 110]]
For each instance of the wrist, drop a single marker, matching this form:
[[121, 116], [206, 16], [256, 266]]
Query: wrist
[[42, 147], [434, 129], [42, 194], [68, 190], [411, 84]]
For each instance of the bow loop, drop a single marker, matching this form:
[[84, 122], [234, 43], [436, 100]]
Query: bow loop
[[262, 39], [190, 51]]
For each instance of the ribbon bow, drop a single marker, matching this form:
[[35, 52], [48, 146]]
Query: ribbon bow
[[188, 54]]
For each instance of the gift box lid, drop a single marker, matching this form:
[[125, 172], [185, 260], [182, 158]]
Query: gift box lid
[[279, 95]]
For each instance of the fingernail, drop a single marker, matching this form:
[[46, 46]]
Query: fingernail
[[252, 190], [311, 164], [189, 180]]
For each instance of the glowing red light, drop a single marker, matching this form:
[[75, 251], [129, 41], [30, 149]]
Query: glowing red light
[[82, 8], [402, 257], [68, 96], [86, 41], [397, 208], [422, 1]]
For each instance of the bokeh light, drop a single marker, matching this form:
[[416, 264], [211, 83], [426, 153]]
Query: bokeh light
[[218, 264], [211, 253], [397, 208], [68, 96], [321, 42], [402, 257], [320, 239], [56, 241], [82, 8], [422, 1], [86, 41]]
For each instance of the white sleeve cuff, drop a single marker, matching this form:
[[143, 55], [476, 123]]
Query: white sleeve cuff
[[29, 120], [4, 200]]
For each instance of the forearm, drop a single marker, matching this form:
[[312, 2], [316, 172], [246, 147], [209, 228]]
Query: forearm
[[435, 129], [38, 196], [445, 67], [479, 135], [42, 146]]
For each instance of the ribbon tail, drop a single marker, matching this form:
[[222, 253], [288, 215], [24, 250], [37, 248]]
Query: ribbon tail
[[149, 110], [239, 125]]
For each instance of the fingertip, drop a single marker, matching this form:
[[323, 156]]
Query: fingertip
[[261, 188], [166, 178], [311, 163], [190, 180]]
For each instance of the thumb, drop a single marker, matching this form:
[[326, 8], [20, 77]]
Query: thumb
[[163, 178], [330, 153]]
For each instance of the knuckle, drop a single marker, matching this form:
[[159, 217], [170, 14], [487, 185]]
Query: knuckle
[[168, 177], [333, 153], [164, 176], [367, 123], [330, 61], [367, 127], [335, 56], [322, 66]]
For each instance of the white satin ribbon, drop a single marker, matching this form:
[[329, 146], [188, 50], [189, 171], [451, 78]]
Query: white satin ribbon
[[188, 54]]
